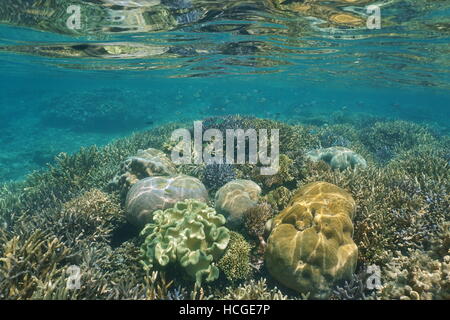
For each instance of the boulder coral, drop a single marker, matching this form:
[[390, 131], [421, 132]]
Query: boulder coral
[[154, 193], [310, 245], [190, 234], [236, 197], [146, 163], [337, 157]]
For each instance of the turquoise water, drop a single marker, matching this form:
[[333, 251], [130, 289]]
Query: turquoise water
[[26, 97], [255, 58], [133, 66]]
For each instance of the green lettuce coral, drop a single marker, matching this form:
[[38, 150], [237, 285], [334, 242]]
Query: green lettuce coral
[[190, 234]]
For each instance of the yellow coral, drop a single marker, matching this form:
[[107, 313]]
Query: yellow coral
[[311, 244]]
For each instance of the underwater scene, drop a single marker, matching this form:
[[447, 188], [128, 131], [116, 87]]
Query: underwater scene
[[225, 150]]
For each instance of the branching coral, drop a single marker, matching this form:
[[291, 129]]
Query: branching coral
[[285, 174], [30, 264], [388, 139], [215, 176], [255, 220], [354, 289], [253, 290], [416, 276], [90, 217], [62, 216], [235, 263], [278, 198]]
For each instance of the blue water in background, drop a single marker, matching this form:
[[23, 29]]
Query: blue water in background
[[370, 76]]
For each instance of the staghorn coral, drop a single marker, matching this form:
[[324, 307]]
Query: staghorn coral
[[153, 286], [153, 193], [290, 137], [253, 290], [354, 289], [286, 173], [402, 206], [255, 220], [146, 163], [190, 234], [235, 263], [310, 245], [335, 136], [178, 293], [393, 138], [236, 197], [278, 198], [94, 203], [441, 245], [216, 175], [30, 264], [91, 217]]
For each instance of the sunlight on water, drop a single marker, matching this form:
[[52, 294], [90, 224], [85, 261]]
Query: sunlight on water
[[188, 38]]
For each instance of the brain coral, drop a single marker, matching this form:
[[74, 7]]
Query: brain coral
[[338, 157], [310, 245], [236, 197], [190, 233], [146, 163], [154, 193]]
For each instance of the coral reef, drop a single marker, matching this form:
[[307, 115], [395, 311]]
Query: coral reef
[[92, 215], [235, 263], [394, 137], [278, 198], [146, 163], [338, 158], [29, 265], [66, 215], [310, 245], [190, 234], [354, 289], [255, 219], [253, 290], [416, 276], [216, 175], [153, 193], [285, 174], [236, 197]]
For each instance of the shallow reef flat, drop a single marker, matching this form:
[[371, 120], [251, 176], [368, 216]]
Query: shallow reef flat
[[389, 213]]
